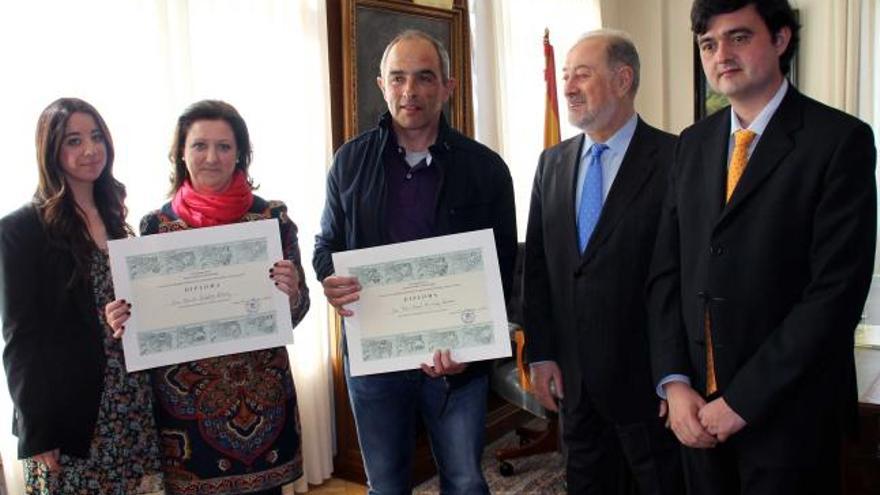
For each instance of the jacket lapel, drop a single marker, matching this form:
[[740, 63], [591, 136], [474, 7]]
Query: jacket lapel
[[774, 145], [79, 290], [569, 161], [635, 169], [713, 167], [84, 302]]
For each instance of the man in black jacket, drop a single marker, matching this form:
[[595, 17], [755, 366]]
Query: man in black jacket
[[763, 260], [414, 177]]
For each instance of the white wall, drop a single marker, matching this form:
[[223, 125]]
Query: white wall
[[661, 32]]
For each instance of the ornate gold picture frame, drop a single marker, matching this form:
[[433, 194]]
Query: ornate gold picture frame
[[368, 26]]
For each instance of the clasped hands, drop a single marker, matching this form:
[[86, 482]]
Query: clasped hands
[[341, 291], [696, 423], [283, 273]]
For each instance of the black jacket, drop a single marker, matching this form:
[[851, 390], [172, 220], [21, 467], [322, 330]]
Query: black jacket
[[783, 269], [587, 311], [54, 355], [476, 192]]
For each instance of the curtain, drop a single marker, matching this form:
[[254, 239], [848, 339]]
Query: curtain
[[509, 90], [869, 108], [141, 62], [869, 111], [842, 34]]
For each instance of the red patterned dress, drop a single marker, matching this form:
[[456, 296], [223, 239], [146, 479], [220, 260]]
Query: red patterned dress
[[230, 424]]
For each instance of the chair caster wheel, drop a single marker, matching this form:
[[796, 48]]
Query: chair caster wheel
[[505, 469]]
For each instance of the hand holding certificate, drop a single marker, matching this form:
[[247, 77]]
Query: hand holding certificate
[[422, 296], [200, 293]]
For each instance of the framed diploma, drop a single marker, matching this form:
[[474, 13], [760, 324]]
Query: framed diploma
[[200, 293], [421, 296]]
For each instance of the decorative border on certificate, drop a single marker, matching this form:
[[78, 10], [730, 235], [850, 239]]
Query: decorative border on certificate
[[176, 261], [419, 343], [200, 293], [420, 296], [204, 333]]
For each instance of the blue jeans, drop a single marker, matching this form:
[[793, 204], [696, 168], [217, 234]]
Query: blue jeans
[[386, 407]]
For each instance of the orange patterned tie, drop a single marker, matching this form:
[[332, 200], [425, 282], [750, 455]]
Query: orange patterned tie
[[711, 385], [741, 141]]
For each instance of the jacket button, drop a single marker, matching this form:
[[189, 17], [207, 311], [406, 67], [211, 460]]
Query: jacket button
[[716, 250]]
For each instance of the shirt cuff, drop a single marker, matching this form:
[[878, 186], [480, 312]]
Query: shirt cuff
[[675, 377], [538, 363]]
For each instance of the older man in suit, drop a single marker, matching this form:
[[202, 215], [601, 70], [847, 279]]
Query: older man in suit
[[762, 265], [593, 219]]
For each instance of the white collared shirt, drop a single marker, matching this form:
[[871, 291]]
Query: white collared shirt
[[759, 125], [611, 158]]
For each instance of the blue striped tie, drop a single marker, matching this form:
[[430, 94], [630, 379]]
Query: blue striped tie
[[591, 197]]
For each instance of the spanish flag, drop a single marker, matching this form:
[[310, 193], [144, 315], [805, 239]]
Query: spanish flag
[[551, 109], [551, 137]]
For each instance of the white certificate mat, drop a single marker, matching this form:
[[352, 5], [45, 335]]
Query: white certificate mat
[[200, 293], [420, 296]]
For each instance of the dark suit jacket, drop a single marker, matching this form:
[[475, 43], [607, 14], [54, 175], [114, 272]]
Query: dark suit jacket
[[588, 312], [54, 355], [784, 268]]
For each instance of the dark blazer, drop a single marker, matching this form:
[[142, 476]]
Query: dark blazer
[[783, 268], [588, 312], [54, 355], [476, 192]]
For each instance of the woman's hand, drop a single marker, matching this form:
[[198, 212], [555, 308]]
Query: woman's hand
[[117, 313], [49, 459], [286, 278]]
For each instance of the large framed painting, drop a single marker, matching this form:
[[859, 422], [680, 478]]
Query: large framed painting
[[368, 26]]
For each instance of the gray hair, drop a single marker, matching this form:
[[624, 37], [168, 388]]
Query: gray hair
[[413, 34], [621, 51]]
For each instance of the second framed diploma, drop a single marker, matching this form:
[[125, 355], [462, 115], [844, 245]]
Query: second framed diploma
[[421, 296]]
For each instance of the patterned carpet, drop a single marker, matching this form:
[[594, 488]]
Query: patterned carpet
[[542, 474]]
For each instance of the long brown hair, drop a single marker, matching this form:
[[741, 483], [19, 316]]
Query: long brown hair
[[62, 217], [209, 110]]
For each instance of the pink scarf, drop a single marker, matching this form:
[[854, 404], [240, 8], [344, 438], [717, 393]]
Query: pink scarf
[[210, 209]]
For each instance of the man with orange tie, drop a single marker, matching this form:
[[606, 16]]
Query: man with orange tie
[[761, 267]]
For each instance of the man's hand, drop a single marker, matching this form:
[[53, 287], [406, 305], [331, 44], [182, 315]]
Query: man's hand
[[720, 420], [443, 365], [547, 383], [684, 405], [341, 291]]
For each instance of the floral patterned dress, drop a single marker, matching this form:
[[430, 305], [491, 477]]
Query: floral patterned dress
[[230, 424], [124, 455]]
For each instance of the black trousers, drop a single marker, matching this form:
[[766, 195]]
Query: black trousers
[[725, 470], [605, 458]]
